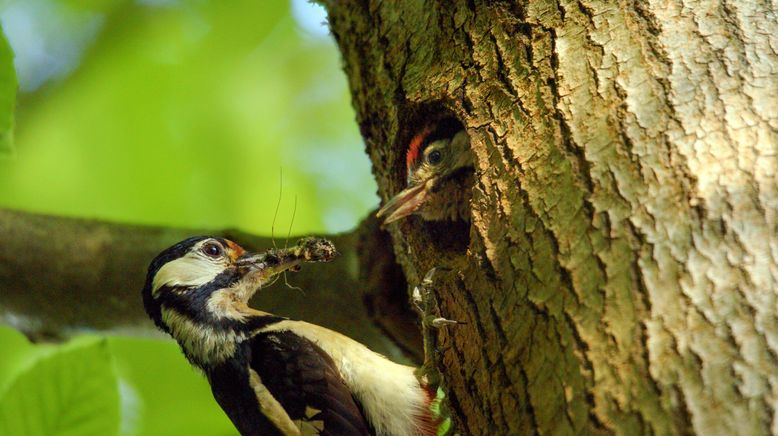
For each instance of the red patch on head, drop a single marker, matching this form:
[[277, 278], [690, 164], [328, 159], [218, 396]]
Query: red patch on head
[[415, 147], [235, 250]]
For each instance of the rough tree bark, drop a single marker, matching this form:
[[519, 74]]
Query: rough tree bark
[[620, 271]]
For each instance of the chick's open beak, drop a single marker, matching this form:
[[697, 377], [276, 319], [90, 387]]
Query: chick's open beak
[[406, 202]]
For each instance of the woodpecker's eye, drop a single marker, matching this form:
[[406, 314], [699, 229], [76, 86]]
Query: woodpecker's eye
[[434, 157], [212, 249]]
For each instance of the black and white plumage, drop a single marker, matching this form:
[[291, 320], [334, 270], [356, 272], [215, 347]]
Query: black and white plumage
[[272, 375]]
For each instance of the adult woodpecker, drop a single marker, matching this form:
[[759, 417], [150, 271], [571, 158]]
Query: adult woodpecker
[[439, 167], [272, 375]]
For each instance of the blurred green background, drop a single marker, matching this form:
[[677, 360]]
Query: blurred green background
[[166, 112], [183, 113]]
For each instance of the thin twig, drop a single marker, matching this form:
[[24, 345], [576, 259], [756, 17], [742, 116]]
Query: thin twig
[[278, 205]]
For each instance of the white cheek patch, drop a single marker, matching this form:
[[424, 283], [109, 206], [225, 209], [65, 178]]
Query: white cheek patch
[[190, 270]]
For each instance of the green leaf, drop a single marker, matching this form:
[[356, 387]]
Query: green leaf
[[440, 411], [435, 406], [444, 427], [18, 352], [174, 398], [7, 95], [71, 390]]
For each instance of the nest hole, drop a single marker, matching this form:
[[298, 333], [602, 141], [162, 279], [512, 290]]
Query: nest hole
[[450, 237]]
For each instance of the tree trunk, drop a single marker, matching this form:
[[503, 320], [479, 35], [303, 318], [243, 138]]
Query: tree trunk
[[619, 272]]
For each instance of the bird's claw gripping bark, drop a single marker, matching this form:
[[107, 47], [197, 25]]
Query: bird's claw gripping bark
[[425, 303], [442, 322]]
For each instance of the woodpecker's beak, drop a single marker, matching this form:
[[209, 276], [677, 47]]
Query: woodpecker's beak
[[267, 264], [256, 271], [260, 268], [406, 202]]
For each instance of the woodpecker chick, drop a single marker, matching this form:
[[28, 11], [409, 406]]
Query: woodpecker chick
[[439, 167], [272, 375]]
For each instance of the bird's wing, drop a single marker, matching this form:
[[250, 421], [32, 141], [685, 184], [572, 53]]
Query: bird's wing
[[306, 383]]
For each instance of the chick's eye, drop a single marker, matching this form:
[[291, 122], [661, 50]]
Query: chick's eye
[[434, 157], [212, 250]]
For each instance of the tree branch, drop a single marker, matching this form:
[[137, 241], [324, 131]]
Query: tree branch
[[60, 275]]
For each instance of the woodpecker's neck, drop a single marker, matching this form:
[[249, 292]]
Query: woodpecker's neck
[[203, 346], [210, 337]]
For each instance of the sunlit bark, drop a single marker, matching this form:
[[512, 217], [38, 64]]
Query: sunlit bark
[[620, 271]]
